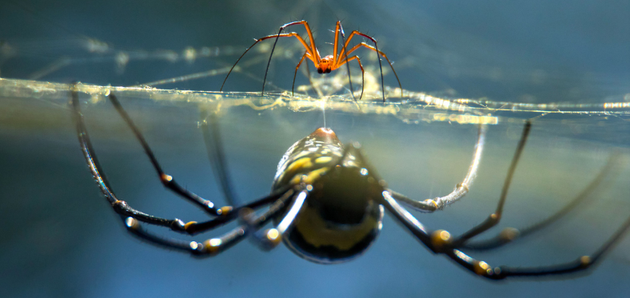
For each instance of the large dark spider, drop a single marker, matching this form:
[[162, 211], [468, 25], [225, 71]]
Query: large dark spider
[[327, 203]]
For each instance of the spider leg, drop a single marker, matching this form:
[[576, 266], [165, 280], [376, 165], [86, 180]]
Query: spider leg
[[362, 74], [213, 246], [212, 138], [272, 237], [276, 36], [308, 75], [437, 242], [132, 218], [343, 54], [167, 180], [494, 218], [440, 241], [375, 49], [124, 210], [296, 70], [580, 264], [214, 146], [508, 235], [312, 49], [246, 215], [119, 206], [339, 31], [431, 205]]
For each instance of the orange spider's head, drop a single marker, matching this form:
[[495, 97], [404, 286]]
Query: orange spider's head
[[325, 64]]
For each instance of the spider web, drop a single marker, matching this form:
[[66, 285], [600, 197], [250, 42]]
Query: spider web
[[46, 64]]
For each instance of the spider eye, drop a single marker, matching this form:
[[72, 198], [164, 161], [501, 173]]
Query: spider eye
[[319, 70], [328, 70]]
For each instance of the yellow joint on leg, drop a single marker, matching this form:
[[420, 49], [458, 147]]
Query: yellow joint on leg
[[440, 238], [132, 223], [224, 210], [167, 178], [273, 236], [188, 224], [211, 246], [482, 268], [585, 261]]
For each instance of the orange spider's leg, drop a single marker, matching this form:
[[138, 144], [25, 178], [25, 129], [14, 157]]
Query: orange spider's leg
[[352, 34], [313, 49], [380, 65], [338, 30], [362, 73], [308, 49], [363, 44], [306, 55], [345, 45], [336, 57]]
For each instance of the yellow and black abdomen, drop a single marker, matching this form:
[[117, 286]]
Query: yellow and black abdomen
[[340, 218]]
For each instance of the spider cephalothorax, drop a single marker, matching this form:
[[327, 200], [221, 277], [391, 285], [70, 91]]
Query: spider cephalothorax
[[325, 65]]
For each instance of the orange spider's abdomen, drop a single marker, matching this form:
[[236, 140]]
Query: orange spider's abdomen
[[325, 64]]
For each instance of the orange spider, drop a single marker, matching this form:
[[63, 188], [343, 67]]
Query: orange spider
[[327, 63]]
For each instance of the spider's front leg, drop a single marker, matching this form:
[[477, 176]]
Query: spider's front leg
[[312, 53], [343, 56], [312, 49], [132, 217]]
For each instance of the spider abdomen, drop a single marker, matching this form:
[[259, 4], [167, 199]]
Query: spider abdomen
[[340, 218]]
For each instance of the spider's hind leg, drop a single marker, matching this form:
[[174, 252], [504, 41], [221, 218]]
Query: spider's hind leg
[[440, 241], [509, 234], [494, 218]]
